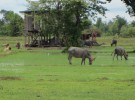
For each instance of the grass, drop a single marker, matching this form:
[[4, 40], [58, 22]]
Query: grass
[[44, 74]]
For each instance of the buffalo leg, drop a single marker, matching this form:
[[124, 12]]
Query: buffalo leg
[[117, 57], [83, 61], [113, 56], [70, 58], [121, 57]]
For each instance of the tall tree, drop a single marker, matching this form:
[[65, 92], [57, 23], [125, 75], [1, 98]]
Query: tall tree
[[12, 23], [66, 18], [119, 21], [116, 25], [133, 23]]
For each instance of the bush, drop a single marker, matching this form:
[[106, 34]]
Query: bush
[[127, 31]]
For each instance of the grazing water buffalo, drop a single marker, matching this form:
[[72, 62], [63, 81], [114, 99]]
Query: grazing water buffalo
[[79, 53], [119, 51], [114, 42]]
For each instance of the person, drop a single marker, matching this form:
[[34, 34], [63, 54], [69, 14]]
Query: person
[[94, 35]]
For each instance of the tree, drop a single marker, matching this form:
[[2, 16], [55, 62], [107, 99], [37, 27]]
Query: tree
[[117, 25], [67, 18], [120, 22], [12, 23], [127, 31], [133, 23], [98, 23], [101, 26]]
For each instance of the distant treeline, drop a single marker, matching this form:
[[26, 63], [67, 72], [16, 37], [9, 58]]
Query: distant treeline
[[12, 24]]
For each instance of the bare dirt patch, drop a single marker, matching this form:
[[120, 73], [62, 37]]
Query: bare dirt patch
[[9, 78]]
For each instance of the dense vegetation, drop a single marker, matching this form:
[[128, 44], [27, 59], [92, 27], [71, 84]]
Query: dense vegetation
[[67, 20], [119, 26], [11, 24]]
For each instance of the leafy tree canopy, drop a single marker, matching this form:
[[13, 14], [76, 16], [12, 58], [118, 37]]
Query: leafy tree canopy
[[12, 23], [68, 18]]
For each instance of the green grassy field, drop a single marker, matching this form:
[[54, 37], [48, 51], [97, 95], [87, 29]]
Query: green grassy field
[[44, 73]]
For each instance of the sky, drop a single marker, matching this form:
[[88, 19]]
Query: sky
[[116, 7]]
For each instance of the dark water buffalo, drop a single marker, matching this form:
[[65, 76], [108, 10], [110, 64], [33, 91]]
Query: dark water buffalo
[[18, 45], [119, 51], [88, 43], [79, 53], [114, 42]]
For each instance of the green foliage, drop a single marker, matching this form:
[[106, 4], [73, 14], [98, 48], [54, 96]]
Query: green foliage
[[120, 22], [127, 31], [97, 30], [12, 23], [66, 19], [101, 27], [118, 26], [86, 23], [114, 28], [133, 23]]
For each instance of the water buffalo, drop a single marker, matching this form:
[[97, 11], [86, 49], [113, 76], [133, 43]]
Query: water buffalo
[[88, 43], [79, 53], [114, 42], [18, 45], [119, 51]]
